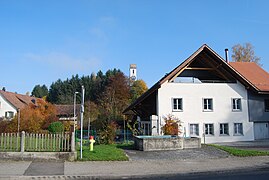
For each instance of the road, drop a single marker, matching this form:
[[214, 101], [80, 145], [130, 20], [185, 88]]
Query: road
[[244, 174]]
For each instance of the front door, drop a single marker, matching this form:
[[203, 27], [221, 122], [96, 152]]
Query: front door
[[261, 130]]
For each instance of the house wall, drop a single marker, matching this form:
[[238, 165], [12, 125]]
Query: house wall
[[257, 111], [192, 95], [5, 106]]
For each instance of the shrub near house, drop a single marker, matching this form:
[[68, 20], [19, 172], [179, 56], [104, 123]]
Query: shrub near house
[[172, 125]]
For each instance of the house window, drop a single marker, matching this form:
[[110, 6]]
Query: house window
[[9, 114], [177, 104], [238, 129], [224, 129], [209, 129], [208, 104], [194, 129], [266, 105], [236, 103]]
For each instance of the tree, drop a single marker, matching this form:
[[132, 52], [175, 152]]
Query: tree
[[115, 97], [245, 53], [34, 118], [40, 91], [137, 89]]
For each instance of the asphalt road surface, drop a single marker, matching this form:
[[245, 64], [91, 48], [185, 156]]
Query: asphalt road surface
[[247, 174]]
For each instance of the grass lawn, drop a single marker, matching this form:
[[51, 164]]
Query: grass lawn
[[241, 152], [102, 152]]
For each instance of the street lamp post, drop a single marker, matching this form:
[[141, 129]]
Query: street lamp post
[[75, 110], [81, 118]]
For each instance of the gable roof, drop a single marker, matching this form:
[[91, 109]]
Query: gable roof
[[19, 101], [66, 110], [221, 66], [252, 72]]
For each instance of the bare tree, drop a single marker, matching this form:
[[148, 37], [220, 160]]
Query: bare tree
[[245, 53]]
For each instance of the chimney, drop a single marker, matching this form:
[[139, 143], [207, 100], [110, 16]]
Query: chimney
[[227, 55]]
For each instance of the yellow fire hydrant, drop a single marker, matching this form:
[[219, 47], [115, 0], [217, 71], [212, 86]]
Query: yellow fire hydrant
[[92, 141]]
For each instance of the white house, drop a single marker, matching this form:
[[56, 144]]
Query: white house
[[11, 103], [216, 100]]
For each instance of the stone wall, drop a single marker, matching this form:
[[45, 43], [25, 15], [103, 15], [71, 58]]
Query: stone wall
[[192, 143], [69, 156], [157, 143]]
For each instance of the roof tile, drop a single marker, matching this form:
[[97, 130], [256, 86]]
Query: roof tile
[[18, 100], [253, 73]]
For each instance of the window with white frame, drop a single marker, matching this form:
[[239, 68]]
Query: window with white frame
[[238, 129], [208, 104], [236, 103], [209, 129], [9, 114], [224, 129], [194, 129], [177, 104]]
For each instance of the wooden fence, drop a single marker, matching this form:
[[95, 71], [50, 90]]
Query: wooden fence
[[29, 142], [10, 142]]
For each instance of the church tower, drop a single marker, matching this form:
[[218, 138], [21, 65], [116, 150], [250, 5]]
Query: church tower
[[133, 73]]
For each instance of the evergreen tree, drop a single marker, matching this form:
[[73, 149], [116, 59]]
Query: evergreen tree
[[40, 91]]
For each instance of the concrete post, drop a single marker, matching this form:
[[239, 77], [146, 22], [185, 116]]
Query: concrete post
[[73, 149], [22, 141], [154, 125]]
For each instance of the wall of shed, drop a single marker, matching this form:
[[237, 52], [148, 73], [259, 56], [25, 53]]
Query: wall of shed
[[257, 111]]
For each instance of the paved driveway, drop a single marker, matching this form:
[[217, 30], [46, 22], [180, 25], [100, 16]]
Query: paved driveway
[[260, 145], [206, 152]]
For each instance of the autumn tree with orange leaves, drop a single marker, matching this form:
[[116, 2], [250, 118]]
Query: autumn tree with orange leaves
[[34, 118]]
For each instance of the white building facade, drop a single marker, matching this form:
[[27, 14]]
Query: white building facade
[[215, 112]]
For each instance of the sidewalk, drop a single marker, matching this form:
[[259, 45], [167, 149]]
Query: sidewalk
[[127, 169]]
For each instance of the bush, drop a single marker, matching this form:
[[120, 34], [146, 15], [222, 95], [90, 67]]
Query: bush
[[172, 125], [56, 127], [108, 134]]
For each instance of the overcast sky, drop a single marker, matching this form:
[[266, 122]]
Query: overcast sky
[[43, 41]]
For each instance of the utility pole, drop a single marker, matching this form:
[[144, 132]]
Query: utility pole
[[75, 93], [81, 119]]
